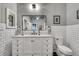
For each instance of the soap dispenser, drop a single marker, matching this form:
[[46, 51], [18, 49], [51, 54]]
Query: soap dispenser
[[49, 29]]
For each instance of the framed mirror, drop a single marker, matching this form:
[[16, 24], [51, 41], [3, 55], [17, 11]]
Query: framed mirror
[[37, 22]]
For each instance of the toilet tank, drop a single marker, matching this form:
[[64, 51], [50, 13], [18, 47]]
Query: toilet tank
[[59, 40]]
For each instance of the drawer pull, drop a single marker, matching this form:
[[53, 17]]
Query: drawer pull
[[47, 54], [17, 50], [17, 45], [47, 45], [17, 41], [32, 55], [32, 40], [47, 50], [17, 55], [47, 40]]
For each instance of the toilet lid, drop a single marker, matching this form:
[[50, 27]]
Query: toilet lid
[[65, 50]]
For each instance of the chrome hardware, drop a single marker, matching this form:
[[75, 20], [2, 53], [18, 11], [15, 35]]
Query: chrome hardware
[[57, 38], [32, 40]]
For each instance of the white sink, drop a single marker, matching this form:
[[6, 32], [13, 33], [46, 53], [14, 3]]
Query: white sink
[[30, 33], [33, 36]]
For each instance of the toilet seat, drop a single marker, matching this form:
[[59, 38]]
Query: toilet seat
[[65, 50]]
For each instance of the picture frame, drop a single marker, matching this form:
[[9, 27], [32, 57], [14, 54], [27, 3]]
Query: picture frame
[[56, 19], [28, 20], [26, 23], [10, 19], [77, 14]]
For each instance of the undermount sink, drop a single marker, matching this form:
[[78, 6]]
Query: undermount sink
[[30, 33], [33, 36]]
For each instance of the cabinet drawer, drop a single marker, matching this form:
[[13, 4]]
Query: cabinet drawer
[[32, 46], [27, 54], [36, 54], [15, 54]]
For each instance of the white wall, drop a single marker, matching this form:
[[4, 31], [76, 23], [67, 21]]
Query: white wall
[[8, 32], [12, 6], [48, 9], [72, 13], [72, 27], [73, 38]]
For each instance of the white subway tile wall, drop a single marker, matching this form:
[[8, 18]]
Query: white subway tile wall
[[5, 40], [73, 38], [2, 32], [58, 30], [8, 41]]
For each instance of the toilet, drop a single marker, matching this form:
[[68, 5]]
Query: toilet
[[61, 49]]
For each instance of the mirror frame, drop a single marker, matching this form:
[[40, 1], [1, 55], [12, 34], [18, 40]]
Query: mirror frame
[[34, 15]]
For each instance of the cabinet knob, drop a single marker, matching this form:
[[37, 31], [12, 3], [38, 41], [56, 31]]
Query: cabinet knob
[[17, 41], [47, 50], [17, 50], [32, 55], [17, 45], [47, 54], [32, 40], [47, 40], [47, 45], [17, 55]]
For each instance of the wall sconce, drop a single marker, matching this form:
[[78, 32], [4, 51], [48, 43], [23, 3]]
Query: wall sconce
[[34, 7]]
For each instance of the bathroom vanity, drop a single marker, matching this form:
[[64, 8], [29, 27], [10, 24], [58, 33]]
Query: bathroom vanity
[[32, 45]]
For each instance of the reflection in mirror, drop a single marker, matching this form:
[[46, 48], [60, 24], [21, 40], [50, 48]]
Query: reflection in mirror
[[34, 22]]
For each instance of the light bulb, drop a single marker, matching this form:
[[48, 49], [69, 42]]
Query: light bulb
[[34, 7]]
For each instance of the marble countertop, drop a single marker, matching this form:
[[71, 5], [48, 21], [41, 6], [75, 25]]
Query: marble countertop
[[20, 36]]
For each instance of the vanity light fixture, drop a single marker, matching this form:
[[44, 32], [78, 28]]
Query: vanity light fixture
[[34, 7]]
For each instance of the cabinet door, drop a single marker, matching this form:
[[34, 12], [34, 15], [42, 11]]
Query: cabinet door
[[50, 47], [47, 47], [17, 47], [27, 48], [36, 46]]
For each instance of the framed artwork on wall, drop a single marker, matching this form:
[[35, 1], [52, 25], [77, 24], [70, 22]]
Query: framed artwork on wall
[[26, 23], [56, 19], [10, 19], [77, 14]]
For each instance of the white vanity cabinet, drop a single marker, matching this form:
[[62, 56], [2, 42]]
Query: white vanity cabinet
[[32, 46]]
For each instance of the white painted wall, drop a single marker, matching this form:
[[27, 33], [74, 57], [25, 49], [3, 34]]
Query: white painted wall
[[72, 13], [48, 9], [12, 6]]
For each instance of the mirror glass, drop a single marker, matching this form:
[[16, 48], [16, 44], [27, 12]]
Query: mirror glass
[[34, 22]]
